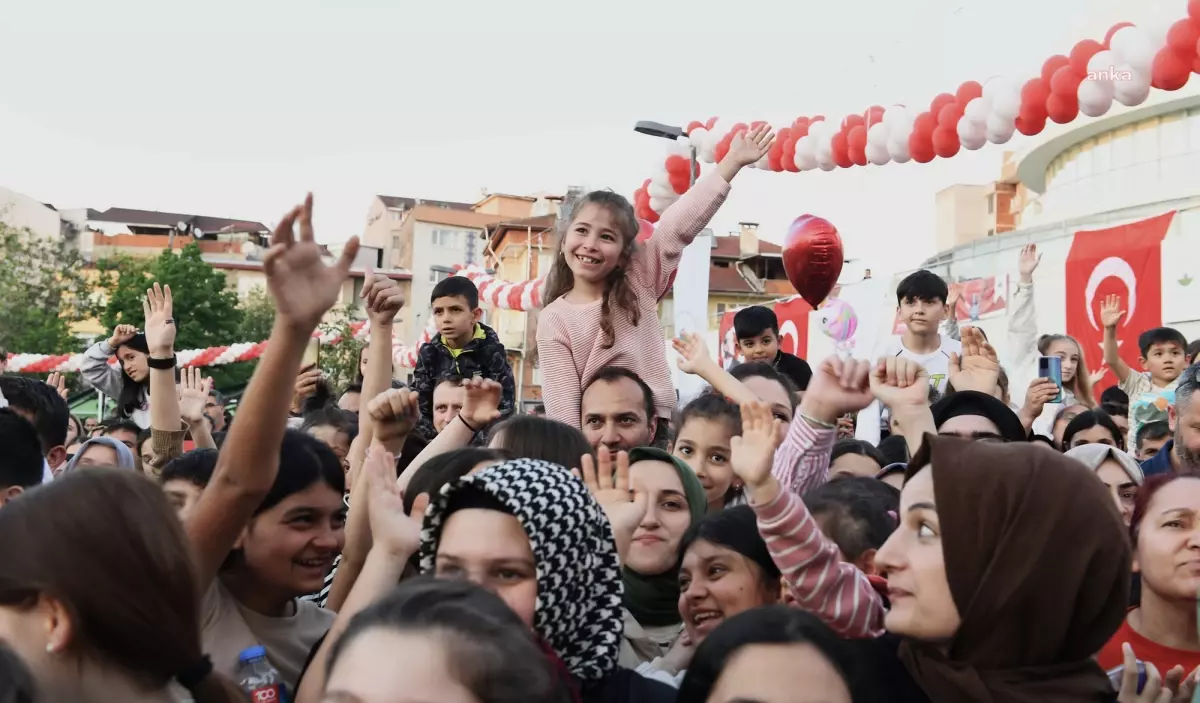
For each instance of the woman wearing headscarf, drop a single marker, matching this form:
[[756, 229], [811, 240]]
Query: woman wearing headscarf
[[675, 501], [1118, 471], [102, 451], [1006, 575]]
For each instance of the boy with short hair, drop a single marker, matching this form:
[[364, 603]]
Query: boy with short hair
[[757, 330], [921, 302], [463, 347], [1151, 437], [1162, 354]]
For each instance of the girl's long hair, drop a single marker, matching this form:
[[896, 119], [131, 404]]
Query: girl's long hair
[[1081, 385], [617, 291], [131, 391]]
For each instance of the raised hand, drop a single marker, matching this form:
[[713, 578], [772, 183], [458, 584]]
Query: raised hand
[[900, 383], [607, 479], [193, 391], [1028, 262], [383, 299], [58, 382], [693, 353], [1111, 312], [838, 386], [306, 385], [481, 407], [750, 146], [391, 529], [395, 413], [1041, 391], [121, 334], [1098, 375], [303, 287], [978, 369], [754, 450], [1172, 688], [160, 325], [952, 300]]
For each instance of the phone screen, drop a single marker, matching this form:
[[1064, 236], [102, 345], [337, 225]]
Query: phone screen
[[312, 353], [1051, 367]]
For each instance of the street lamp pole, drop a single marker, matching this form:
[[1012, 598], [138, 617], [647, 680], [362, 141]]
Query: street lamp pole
[[673, 133]]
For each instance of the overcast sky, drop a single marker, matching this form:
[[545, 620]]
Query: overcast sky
[[236, 109]]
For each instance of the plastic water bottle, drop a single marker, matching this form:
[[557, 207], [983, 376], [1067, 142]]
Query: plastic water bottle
[[258, 678]]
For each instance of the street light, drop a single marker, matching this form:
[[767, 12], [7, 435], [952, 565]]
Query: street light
[[665, 131]]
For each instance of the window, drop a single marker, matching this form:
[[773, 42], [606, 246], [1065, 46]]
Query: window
[[396, 215], [991, 203], [396, 241], [447, 238], [720, 311], [991, 232], [436, 277], [537, 375]]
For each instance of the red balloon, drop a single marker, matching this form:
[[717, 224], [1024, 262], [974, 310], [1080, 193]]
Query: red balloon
[[924, 124], [775, 154], [694, 124], [712, 121], [1030, 127], [968, 91], [856, 138], [739, 127], [816, 118], [645, 229], [757, 123], [1170, 70], [945, 142], [1062, 108], [1182, 38], [841, 153], [942, 100], [1065, 82], [850, 121], [920, 147], [950, 115], [1196, 61], [1121, 25], [1052, 65], [677, 164], [679, 182], [800, 130], [812, 257], [874, 115], [1083, 52], [1034, 94], [789, 153], [723, 147], [858, 154]]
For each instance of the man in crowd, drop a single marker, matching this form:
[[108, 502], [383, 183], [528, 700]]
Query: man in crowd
[[448, 399], [21, 465], [617, 410], [124, 431], [214, 408], [1182, 454], [45, 409]]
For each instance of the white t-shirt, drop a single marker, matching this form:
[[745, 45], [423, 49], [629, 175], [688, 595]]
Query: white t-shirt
[[936, 364]]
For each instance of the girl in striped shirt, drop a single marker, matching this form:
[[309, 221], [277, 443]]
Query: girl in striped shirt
[[602, 284]]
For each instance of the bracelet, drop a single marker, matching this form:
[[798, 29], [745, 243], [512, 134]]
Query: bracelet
[[818, 423], [161, 363], [463, 420]]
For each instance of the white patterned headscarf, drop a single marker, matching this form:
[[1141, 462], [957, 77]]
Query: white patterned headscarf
[[579, 585]]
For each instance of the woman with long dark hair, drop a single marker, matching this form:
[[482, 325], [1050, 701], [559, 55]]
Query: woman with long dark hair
[[128, 382]]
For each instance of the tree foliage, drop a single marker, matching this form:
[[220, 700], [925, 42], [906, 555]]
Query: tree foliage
[[339, 361], [44, 290], [258, 315]]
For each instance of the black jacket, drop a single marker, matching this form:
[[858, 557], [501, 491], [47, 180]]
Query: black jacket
[[794, 368], [484, 357]]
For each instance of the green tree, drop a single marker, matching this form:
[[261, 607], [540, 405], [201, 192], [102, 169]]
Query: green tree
[[258, 315], [43, 292], [339, 361]]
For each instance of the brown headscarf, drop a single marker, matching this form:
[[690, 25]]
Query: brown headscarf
[[1038, 563]]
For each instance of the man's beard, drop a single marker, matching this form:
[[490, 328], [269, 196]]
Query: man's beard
[[1189, 461]]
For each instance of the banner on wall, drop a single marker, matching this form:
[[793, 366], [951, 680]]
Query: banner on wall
[[793, 329], [1126, 261], [978, 298]]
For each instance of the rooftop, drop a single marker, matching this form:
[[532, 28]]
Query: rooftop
[[153, 218], [399, 203], [453, 217], [730, 247]]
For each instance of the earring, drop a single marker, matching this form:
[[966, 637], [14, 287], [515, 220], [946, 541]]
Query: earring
[[51, 648]]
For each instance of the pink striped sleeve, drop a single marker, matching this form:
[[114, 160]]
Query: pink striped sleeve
[[680, 223], [812, 567], [802, 461], [561, 386]]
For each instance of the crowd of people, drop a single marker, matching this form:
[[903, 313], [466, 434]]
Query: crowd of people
[[928, 525]]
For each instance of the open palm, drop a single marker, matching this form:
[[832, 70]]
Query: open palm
[[607, 479], [753, 451], [302, 285]]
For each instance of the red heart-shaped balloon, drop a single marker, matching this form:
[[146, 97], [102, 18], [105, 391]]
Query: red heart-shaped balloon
[[812, 257]]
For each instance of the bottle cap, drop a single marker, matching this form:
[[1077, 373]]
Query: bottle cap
[[251, 653]]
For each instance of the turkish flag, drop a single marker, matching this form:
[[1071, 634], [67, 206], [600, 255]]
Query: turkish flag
[[1126, 261], [793, 330]]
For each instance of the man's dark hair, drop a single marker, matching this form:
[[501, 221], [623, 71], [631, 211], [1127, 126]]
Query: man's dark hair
[[196, 467], [456, 286], [21, 460], [1160, 335], [353, 388], [1188, 381], [754, 320], [121, 425], [922, 285], [1152, 431], [217, 397], [612, 374], [451, 378], [1113, 394], [764, 370], [41, 402], [1116, 409], [1193, 348], [856, 511]]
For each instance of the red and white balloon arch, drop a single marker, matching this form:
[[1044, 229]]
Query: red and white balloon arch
[[1123, 67]]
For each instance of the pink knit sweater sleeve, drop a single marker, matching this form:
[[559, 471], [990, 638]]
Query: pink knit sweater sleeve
[[802, 461], [561, 386], [658, 258], [812, 567]]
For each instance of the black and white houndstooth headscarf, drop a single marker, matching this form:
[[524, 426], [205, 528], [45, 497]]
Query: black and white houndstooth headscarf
[[579, 584]]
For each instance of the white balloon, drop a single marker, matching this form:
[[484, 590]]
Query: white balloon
[[877, 154], [662, 179], [826, 165], [999, 130], [898, 149], [698, 137], [1007, 103], [878, 135], [657, 190], [661, 204], [806, 160], [1095, 97], [1133, 89], [1133, 46], [1102, 63], [817, 129], [998, 85], [971, 135], [901, 158], [896, 114], [977, 111]]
